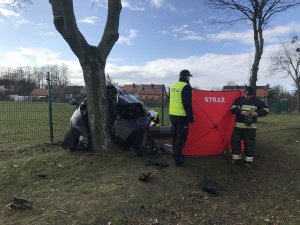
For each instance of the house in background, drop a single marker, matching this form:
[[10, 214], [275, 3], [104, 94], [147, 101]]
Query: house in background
[[261, 91], [146, 91], [3, 89], [67, 93], [39, 94]]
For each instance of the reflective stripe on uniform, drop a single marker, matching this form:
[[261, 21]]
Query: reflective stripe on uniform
[[249, 159], [249, 108], [234, 106], [236, 156], [243, 125], [266, 109]]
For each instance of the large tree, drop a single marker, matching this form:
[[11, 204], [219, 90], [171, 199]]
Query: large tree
[[92, 60], [287, 59], [258, 13]]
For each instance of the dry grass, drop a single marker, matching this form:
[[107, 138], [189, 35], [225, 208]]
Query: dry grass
[[85, 188]]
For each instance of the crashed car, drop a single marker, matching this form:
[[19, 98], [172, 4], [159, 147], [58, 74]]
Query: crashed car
[[129, 121]]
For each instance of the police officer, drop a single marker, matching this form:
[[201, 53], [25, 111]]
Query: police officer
[[181, 113], [246, 109]]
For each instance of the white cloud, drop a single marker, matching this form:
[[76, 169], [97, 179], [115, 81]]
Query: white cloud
[[165, 32], [156, 3], [22, 22], [116, 59], [43, 25], [29, 57], [89, 20], [185, 33], [128, 39], [198, 22], [138, 5], [8, 13], [134, 7], [209, 70], [245, 37], [273, 35], [193, 37], [5, 1], [47, 33], [162, 4], [9, 2]]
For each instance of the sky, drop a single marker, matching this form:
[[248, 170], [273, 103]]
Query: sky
[[158, 38]]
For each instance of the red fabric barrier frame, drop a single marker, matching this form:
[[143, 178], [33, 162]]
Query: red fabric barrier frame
[[211, 132]]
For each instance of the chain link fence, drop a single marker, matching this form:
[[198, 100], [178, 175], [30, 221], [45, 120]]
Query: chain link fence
[[25, 113], [29, 116], [32, 113]]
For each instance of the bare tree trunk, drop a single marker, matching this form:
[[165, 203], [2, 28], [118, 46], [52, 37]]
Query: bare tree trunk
[[94, 77], [298, 98], [259, 43], [92, 60]]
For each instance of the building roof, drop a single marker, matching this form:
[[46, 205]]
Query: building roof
[[145, 89], [261, 91], [68, 89], [39, 92], [2, 88]]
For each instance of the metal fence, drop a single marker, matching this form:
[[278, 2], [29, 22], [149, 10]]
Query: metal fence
[[32, 113], [27, 114]]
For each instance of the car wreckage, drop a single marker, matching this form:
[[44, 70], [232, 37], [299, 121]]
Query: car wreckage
[[129, 125]]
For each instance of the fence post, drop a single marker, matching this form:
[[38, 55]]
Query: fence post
[[162, 106], [50, 122]]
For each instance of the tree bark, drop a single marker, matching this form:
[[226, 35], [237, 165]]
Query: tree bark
[[298, 97], [258, 42], [92, 60]]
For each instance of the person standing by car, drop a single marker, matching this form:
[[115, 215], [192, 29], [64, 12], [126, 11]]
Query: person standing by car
[[154, 118], [181, 113], [246, 109]]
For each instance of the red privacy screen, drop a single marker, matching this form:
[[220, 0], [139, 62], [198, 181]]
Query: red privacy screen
[[210, 134]]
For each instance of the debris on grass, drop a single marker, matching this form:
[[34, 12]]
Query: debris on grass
[[211, 186], [144, 177], [20, 203], [156, 165]]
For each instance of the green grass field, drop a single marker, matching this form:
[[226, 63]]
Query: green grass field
[[103, 188], [27, 122]]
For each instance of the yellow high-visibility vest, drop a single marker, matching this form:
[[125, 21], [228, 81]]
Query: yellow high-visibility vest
[[176, 106]]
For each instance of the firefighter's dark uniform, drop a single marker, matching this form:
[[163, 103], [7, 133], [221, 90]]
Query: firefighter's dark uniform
[[245, 126], [181, 113]]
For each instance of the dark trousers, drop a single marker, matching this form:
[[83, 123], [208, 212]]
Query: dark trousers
[[248, 136], [180, 133]]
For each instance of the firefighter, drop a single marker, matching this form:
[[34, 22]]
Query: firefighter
[[246, 109], [181, 113], [154, 118]]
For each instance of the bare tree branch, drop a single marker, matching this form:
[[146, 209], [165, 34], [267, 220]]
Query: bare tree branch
[[65, 24], [259, 13], [287, 59], [111, 34]]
